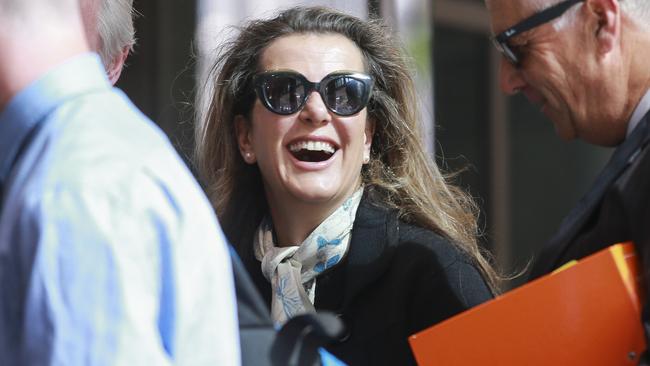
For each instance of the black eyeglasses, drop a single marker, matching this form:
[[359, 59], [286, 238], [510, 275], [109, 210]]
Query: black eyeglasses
[[501, 40], [285, 92]]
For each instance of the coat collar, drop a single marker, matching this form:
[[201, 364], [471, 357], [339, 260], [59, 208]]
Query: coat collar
[[573, 224], [373, 239]]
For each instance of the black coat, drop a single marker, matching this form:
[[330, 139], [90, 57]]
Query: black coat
[[616, 209], [396, 280]]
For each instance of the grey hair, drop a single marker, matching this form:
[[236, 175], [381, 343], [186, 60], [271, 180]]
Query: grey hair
[[115, 28]]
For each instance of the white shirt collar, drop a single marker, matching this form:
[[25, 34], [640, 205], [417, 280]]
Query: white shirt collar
[[641, 109]]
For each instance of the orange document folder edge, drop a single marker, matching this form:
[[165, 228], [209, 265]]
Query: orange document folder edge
[[586, 314]]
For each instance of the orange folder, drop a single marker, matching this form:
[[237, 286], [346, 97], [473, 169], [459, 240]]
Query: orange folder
[[587, 314]]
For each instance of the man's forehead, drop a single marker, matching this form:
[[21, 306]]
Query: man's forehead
[[506, 13]]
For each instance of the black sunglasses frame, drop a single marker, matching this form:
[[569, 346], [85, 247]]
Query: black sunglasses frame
[[260, 80], [500, 41]]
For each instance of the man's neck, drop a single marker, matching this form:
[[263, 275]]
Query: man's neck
[[26, 58]]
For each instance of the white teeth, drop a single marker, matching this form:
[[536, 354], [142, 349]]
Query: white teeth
[[312, 146]]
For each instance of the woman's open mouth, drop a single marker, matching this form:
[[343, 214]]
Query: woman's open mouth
[[312, 151]]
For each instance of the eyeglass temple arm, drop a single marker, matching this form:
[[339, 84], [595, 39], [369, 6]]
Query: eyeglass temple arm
[[536, 20]]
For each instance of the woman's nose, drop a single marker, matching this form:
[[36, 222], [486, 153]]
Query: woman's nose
[[314, 110]]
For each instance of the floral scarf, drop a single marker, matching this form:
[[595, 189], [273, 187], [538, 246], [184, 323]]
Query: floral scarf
[[292, 270]]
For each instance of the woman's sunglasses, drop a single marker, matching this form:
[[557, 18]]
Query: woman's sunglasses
[[286, 92]]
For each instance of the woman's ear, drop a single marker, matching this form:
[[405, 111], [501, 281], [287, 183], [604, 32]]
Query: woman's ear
[[367, 136], [242, 130], [607, 23]]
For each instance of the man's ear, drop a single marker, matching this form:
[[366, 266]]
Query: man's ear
[[606, 24], [244, 141], [367, 136], [114, 70]]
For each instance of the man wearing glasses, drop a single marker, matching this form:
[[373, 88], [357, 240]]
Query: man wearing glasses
[[586, 64]]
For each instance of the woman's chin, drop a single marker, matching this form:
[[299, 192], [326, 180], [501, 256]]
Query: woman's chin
[[322, 190], [315, 195]]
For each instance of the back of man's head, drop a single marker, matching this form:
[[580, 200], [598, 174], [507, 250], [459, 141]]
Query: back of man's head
[[115, 28], [110, 32]]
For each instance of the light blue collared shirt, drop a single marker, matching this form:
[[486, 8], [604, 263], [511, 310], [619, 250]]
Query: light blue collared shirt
[[110, 253]]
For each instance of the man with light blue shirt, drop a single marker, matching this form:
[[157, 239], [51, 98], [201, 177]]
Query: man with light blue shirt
[[109, 252]]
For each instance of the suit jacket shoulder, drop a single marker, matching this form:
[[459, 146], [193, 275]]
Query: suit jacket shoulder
[[616, 209]]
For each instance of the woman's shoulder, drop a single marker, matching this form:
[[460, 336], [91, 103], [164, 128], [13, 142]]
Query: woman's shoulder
[[420, 259], [443, 250], [441, 264], [410, 244], [398, 232]]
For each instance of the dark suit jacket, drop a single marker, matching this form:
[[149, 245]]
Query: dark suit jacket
[[396, 279], [616, 209]]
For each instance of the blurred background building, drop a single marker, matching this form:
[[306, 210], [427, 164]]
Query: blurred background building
[[524, 178]]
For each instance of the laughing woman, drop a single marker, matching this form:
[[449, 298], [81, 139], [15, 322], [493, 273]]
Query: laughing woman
[[312, 156]]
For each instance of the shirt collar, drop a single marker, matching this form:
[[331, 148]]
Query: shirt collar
[[27, 109], [641, 109]]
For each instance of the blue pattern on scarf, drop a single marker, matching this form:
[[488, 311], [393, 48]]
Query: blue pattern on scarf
[[322, 242], [289, 304], [321, 266]]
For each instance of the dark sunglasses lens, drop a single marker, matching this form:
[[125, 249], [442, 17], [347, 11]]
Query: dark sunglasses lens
[[345, 95], [284, 93]]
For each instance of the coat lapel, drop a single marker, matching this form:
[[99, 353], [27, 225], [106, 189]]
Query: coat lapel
[[373, 237], [573, 224]]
